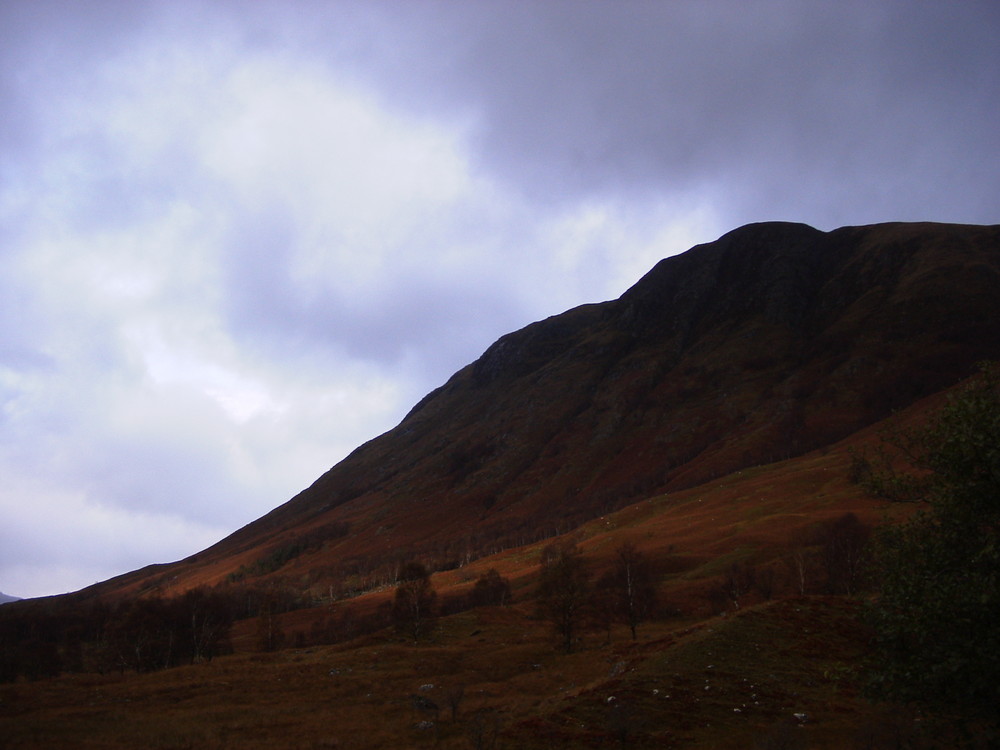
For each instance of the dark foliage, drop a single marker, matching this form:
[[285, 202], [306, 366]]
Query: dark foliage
[[491, 589], [843, 545], [937, 619], [149, 634], [46, 637]]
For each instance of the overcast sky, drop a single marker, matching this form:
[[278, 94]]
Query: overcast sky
[[238, 239]]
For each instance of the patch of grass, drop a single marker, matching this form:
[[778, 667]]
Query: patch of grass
[[723, 684], [718, 565]]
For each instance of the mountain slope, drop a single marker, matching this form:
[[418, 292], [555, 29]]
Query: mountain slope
[[773, 340]]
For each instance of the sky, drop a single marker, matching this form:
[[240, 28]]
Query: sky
[[239, 238]]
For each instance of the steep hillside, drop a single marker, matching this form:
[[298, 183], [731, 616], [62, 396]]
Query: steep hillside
[[769, 342], [710, 418], [693, 679]]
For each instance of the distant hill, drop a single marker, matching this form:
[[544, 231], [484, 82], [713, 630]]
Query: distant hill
[[4, 598], [772, 341]]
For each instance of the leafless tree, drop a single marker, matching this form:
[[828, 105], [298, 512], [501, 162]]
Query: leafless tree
[[453, 697], [630, 586], [413, 603], [739, 581], [564, 591], [844, 544]]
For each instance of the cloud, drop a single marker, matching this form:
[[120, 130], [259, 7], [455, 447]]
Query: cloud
[[76, 542], [775, 106], [239, 239]]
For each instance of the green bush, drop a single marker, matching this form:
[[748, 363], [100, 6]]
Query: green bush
[[936, 620]]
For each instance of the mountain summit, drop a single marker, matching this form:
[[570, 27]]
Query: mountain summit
[[773, 340]]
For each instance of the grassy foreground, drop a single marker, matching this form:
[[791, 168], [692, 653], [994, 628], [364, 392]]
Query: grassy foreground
[[777, 675]]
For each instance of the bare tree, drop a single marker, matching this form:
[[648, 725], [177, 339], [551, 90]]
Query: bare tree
[[799, 564], [630, 586], [739, 581], [270, 636], [564, 591], [209, 620], [413, 604], [453, 697], [766, 580], [844, 544]]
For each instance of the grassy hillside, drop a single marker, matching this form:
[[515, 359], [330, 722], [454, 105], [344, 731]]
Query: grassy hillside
[[703, 674]]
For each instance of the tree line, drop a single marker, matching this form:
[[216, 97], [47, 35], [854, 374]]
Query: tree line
[[142, 635], [44, 638], [565, 595]]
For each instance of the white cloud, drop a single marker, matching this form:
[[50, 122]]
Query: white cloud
[[62, 540], [606, 246]]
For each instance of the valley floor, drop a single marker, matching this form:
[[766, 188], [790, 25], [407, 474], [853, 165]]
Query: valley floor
[[777, 675]]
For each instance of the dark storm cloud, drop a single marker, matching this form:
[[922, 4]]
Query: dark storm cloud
[[832, 114], [781, 102]]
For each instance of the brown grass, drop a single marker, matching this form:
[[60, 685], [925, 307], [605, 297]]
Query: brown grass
[[715, 683], [794, 655]]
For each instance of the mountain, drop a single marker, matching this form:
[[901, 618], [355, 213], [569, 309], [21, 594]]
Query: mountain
[[772, 341], [708, 420], [4, 598]]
